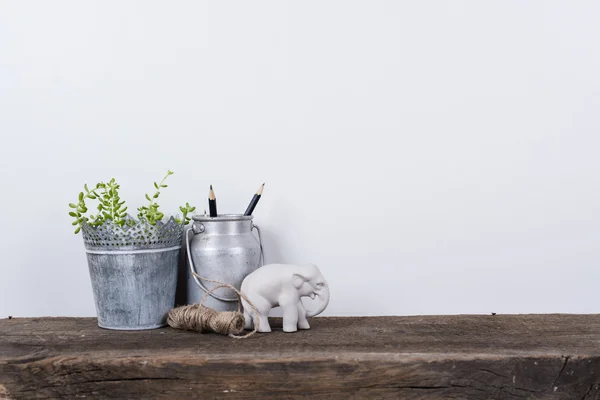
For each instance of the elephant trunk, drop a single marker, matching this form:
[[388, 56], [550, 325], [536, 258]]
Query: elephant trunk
[[323, 297]]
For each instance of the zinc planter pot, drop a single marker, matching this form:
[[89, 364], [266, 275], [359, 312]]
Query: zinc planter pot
[[133, 270]]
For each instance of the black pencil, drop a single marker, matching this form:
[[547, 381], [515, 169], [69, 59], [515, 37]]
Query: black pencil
[[254, 200], [212, 203]]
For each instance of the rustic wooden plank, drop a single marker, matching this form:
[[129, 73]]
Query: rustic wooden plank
[[425, 357]]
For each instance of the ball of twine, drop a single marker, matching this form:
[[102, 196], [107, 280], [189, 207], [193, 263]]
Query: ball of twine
[[199, 318]]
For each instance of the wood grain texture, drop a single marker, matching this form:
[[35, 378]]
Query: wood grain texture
[[432, 357]]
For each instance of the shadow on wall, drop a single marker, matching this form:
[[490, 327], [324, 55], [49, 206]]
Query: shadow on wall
[[271, 248], [273, 255], [181, 293]]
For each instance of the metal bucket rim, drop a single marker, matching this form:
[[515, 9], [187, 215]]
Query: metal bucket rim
[[223, 217], [141, 235], [130, 249]]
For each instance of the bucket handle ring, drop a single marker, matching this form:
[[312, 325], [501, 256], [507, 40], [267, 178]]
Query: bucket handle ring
[[193, 268]]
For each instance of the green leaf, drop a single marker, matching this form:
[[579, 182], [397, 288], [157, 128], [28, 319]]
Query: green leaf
[[164, 186], [100, 207], [156, 185], [155, 195], [72, 205], [74, 222], [148, 198], [192, 209], [124, 209], [86, 188], [72, 214], [91, 196], [80, 196], [77, 230]]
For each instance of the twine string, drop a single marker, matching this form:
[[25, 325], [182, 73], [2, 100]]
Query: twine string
[[198, 317]]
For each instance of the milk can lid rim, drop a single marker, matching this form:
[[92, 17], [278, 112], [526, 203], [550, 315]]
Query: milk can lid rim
[[223, 217]]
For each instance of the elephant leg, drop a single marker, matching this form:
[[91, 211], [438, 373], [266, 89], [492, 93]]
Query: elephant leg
[[251, 320], [290, 317], [302, 322], [263, 325], [248, 322], [263, 306]]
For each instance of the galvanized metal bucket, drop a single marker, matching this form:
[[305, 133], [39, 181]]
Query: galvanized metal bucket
[[222, 249], [133, 270]]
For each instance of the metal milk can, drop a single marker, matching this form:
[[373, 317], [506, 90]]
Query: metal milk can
[[223, 249]]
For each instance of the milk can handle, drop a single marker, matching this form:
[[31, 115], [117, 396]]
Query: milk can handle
[[262, 252], [193, 269]]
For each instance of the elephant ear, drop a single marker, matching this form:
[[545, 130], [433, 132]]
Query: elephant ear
[[298, 281]]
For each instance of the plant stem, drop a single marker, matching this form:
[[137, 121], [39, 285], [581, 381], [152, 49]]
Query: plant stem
[[158, 190]]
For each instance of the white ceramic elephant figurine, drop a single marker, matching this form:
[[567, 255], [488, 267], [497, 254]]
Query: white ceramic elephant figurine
[[283, 285]]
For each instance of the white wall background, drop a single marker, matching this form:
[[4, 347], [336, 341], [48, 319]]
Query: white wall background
[[431, 156]]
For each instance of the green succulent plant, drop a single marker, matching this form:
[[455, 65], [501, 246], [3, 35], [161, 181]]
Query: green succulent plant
[[150, 212], [111, 207]]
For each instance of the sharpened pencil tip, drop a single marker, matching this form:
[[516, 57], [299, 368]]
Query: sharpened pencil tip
[[211, 187]]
